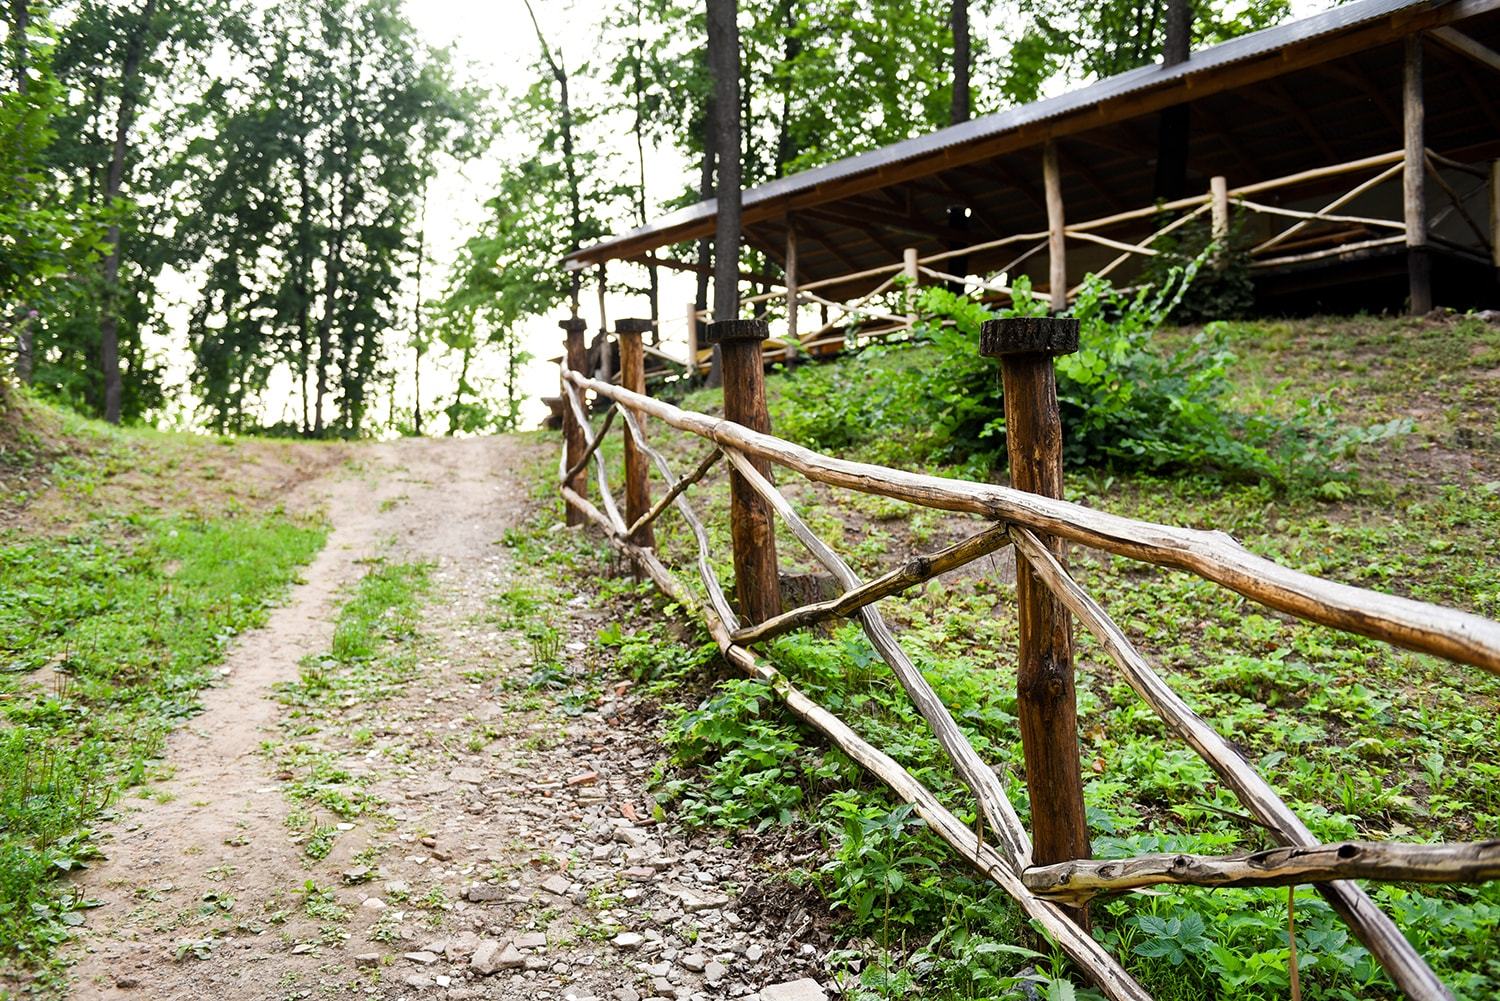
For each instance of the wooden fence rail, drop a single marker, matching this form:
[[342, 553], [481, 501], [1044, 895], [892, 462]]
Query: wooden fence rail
[[1052, 879]]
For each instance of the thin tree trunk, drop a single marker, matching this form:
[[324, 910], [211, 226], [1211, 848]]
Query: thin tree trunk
[[20, 24], [959, 21], [570, 168], [1173, 123], [791, 48], [640, 191], [417, 343], [724, 64], [109, 315]]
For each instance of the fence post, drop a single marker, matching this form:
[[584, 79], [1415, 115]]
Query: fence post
[[637, 469], [1218, 188], [577, 360], [1046, 703], [751, 520], [1057, 247], [909, 269]]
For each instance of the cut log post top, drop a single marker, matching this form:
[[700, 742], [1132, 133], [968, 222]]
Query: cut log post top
[[1021, 335], [730, 331], [633, 325]]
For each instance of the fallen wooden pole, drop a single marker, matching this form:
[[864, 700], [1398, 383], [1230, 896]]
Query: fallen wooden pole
[[1215, 556], [914, 571], [1370, 924], [1102, 968], [1081, 880]]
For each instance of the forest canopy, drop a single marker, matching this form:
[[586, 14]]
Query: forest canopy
[[277, 159]]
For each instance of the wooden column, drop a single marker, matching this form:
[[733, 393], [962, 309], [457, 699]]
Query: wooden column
[[791, 284], [909, 271], [1418, 267], [692, 339], [606, 356], [578, 358], [1495, 213], [1046, 701], [1057, 251], [751, 520], [637, 464]]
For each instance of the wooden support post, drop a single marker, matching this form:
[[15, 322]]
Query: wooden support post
[[909, 270], [578, 359], [1418, 267], [1218, 190], [791, 284], [606, 356], [692, 339], [1495, 213], [1057, 252], [1046, 703], [637, 464], [751, 520]]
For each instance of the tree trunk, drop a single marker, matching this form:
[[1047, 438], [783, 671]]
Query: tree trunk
[[705, 192], [20, 23], [959, 20], [640, 190], [724, 65], [791, 49], [570, 167], [109, 314], [1173, 123]]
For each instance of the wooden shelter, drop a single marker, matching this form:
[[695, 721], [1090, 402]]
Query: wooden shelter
[[1349, 148]]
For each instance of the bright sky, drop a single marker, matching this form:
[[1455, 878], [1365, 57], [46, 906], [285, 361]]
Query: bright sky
[[495, 46]]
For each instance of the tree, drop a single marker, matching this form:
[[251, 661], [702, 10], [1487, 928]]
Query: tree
[[1173, 124], [959, 18], [724, 63]]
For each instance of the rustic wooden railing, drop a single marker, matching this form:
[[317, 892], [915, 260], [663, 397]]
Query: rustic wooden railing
[[1052, 877], [1283, 235]]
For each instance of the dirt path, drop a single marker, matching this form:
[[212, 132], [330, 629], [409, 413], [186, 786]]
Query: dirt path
[[506, 858]]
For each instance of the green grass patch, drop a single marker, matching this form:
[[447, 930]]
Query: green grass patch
[[106, 637]]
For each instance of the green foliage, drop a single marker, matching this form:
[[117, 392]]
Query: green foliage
[[1129, 401], [126, 618]]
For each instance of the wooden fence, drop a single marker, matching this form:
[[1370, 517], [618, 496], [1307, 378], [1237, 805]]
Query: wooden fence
[[1279, 235], [1051, 877]]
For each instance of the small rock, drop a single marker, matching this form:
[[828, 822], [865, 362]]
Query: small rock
[[511, 957], [367, 959], [584, 779], [485, 893], [486, 958], [397, 886], [372, 904], [530, 940], [694, 961], [754, 953], [556, 884], [125, 982], [423, 957], [461, 946], [469, 776], [805, 989], [629, 940], [418, 980], [714, 971], [625, 994]]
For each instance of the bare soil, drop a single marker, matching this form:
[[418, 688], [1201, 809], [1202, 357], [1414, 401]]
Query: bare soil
[[501, 822]]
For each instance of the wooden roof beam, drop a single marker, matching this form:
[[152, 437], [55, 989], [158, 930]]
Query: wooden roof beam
[[804, 228], [1457, 41], [860, 216]]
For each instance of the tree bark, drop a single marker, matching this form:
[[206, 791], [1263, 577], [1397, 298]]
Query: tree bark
[[653, 277], [724, 65], [570, 167], [1173, 123], [958, 19], [109, 314]]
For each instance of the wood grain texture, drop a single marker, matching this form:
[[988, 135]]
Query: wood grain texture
[[1102, 968], [914, 571], [637, 467], [994, 805], [1057, 239], [1376, 930], [757, 585], [1414, 177], [576, 359], [1215, 556], [1288, 866], [1046, 699]]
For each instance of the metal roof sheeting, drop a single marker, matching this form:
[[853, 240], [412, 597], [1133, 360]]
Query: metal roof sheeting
[[1244, 48]]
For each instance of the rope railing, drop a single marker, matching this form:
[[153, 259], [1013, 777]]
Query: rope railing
[[1052, 886]]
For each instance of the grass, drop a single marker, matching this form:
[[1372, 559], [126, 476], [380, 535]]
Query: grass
[[372, 656], [1363, 740], [117, 598]]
